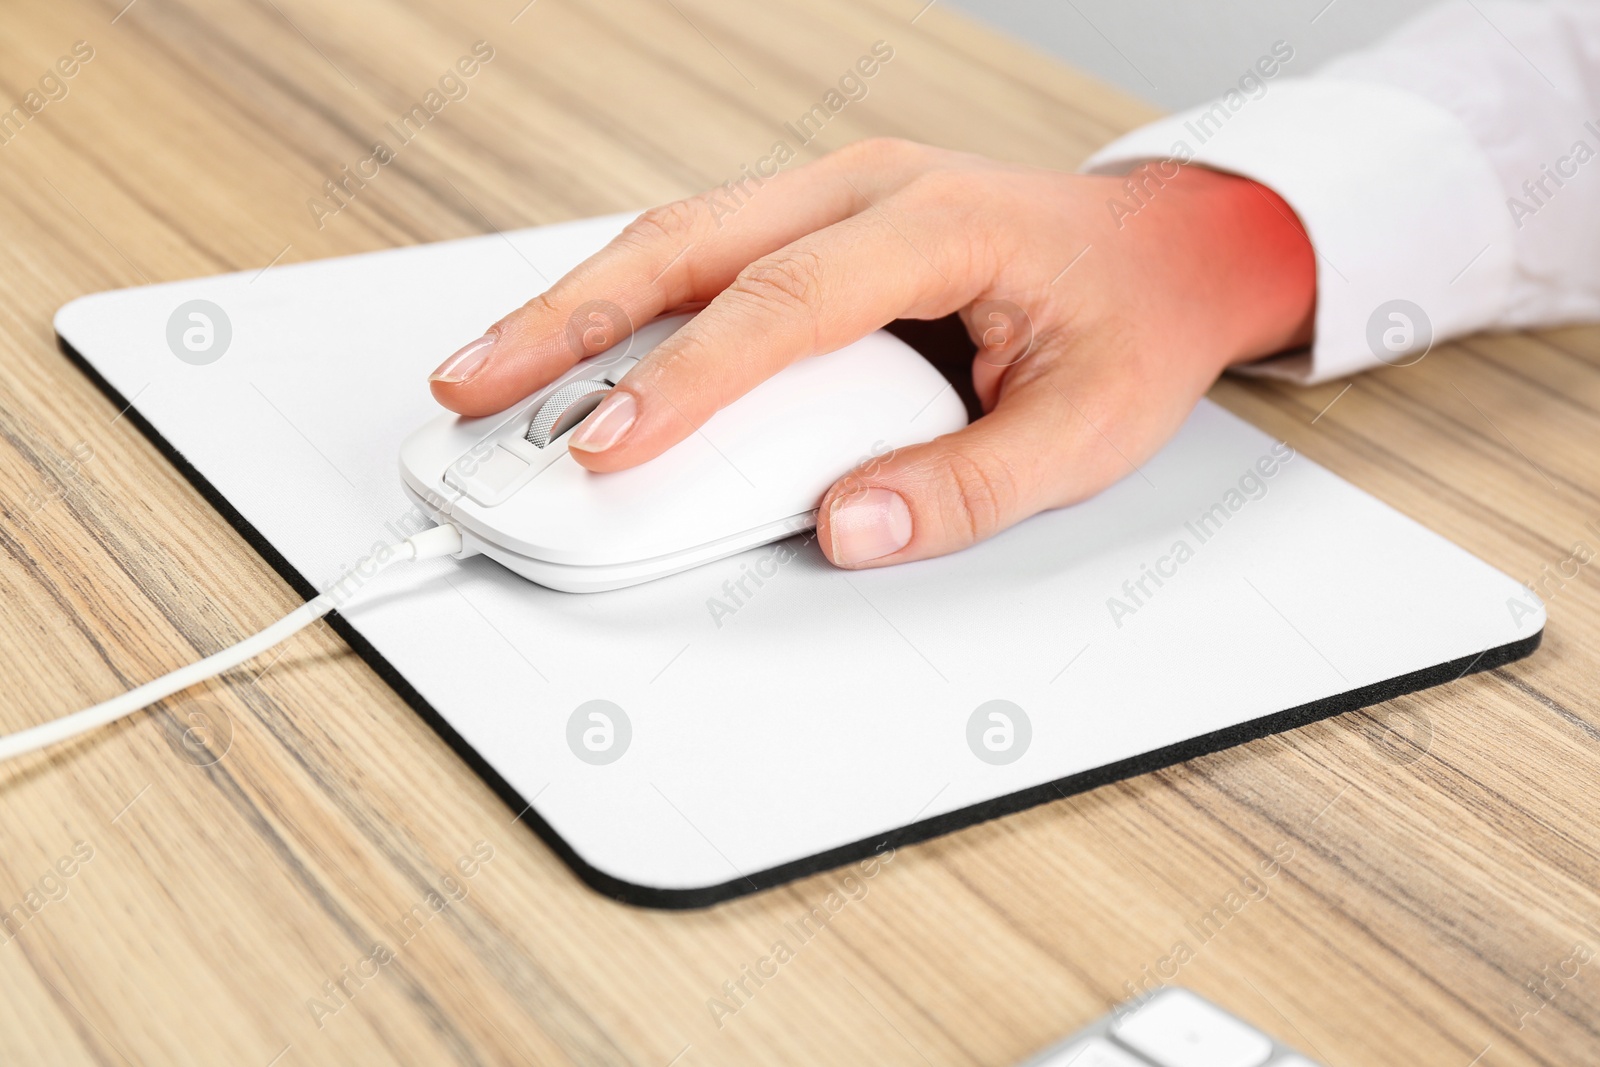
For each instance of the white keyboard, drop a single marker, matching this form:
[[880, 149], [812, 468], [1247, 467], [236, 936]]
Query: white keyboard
[[1174, 1028]]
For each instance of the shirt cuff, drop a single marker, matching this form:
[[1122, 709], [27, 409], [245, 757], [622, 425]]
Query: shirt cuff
[[1404, 211]]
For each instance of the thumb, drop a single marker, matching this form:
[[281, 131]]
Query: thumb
[[1032, 452]]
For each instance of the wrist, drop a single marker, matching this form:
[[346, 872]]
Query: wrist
[[1246, 261], [1266, 250]]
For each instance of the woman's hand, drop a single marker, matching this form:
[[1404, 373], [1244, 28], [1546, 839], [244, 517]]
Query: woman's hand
[[1098, 327]]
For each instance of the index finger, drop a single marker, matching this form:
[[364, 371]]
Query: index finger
[[683, 252]]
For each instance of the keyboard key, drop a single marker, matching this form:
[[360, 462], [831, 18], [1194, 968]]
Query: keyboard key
[[1178, 1029], [1091, 1053]]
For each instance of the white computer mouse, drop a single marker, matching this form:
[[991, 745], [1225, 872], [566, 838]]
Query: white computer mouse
[[753, 474]]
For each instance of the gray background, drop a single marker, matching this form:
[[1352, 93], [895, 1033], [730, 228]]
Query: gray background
[[1180, 52]]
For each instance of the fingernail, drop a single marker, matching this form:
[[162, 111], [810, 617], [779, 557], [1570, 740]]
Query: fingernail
[[466, 361], [868, 525], [607, 423]]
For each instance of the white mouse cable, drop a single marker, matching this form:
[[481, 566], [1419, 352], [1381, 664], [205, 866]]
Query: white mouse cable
[[429, 544]]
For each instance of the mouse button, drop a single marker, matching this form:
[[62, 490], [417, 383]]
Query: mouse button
[[490, 477], [564, 409], [519, 446]]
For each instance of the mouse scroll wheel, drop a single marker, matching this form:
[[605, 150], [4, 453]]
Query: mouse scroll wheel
[[564, 409]]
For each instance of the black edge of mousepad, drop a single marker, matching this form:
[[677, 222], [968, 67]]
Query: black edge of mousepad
[[942, 344]]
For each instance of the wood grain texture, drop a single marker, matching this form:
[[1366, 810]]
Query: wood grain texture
[[1419, 895]]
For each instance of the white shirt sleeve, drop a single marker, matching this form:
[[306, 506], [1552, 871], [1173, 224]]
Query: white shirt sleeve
[[1448, 178]]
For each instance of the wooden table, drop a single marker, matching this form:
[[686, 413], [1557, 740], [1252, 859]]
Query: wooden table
[[167, 909]]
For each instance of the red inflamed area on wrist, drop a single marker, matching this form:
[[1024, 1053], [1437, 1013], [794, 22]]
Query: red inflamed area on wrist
[[1239, 251], [1269, 260]]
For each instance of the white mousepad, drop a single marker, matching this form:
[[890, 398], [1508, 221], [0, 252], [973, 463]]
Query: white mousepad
[[744, 723]]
